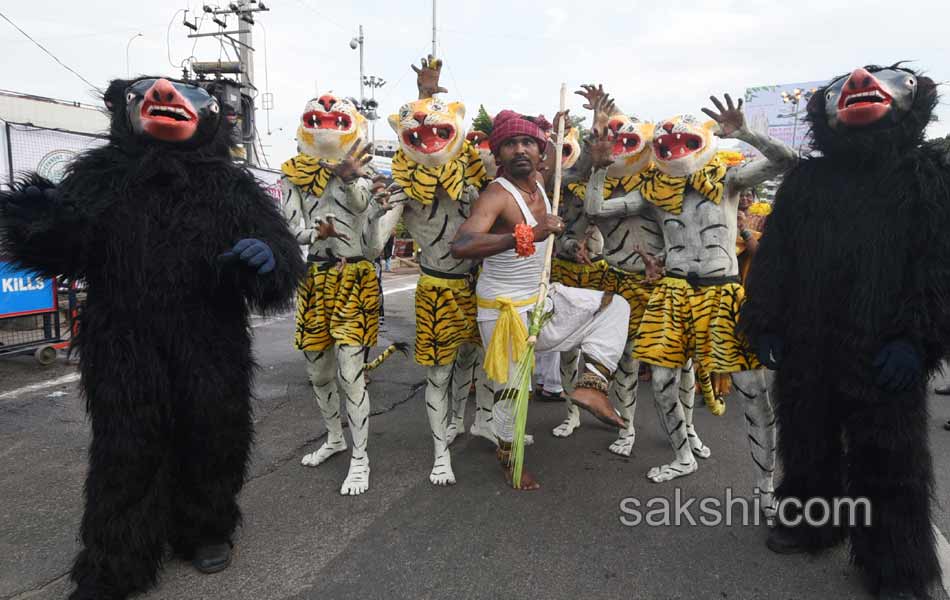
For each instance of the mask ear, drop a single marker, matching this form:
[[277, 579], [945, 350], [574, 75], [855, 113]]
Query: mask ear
[[816, 104], [394, 122], [458, 108], [926, 86], [114, 96], [711, 127]]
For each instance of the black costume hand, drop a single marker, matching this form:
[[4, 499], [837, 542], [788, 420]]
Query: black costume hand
[[30, 203], [899, 366], [254, 253], [769, 349]]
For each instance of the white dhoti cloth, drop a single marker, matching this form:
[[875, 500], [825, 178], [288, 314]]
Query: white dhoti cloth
[[547, 371], [577, 322]]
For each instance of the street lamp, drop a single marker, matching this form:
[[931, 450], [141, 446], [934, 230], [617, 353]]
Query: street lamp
[[128, 71], [794, 98], [373, 82], [355, 43]]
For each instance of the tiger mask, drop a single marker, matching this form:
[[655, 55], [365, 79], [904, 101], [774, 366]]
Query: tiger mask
[[571, 149], [682, 145], [632, 139], [329, 126], [430, 131]]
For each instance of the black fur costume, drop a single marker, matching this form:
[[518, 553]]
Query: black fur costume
[[857, 255], [165, 350]]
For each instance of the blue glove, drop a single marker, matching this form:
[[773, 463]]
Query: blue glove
[[30, 202], [769, 348], [254, 253], [899, 366]]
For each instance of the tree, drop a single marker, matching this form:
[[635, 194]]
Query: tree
[[482, 121]]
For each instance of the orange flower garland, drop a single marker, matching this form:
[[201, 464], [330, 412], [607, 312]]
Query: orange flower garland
[[524, 239]]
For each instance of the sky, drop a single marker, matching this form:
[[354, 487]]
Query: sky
[[657, 59]]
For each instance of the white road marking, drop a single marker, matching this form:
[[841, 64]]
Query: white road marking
[[397, 290], [266, 322], [943, 555], [66, 379]]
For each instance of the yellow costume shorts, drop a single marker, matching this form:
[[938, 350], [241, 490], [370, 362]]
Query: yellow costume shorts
[[682, 321], [337, 306], [572, 274], [634, 289], [445, 318]]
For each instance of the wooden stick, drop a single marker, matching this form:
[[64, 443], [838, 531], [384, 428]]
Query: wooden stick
[[555, 203]]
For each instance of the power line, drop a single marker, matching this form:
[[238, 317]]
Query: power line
[[53, 56]]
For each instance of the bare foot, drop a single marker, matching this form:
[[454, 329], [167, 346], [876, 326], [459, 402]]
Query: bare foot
[[528, 482], [596, 403]]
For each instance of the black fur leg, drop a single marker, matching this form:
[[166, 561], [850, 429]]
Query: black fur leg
[[213, 434], [809, 445], [126, 515], [889, 463]]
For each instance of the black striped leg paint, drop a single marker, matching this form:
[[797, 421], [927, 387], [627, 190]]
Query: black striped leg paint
[[752, 387], [484, 401], [687, 387], [352, 386], [623, 394], [438, 394], [463, 374], [568, 374], [321, 369], [670, 411]]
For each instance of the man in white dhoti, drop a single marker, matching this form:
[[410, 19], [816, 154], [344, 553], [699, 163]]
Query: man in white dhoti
[[508, 228]]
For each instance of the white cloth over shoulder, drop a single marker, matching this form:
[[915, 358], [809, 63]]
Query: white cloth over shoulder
[[507, 275]]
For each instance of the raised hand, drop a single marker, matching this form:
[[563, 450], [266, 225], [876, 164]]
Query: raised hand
[[729, 117], [557, 120], [592, 94], [601, 149], [351, 167], [427, 78], [603, 109], [252, 252]]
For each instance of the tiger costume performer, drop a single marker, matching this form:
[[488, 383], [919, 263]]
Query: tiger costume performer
[[437, 175], [623, 240], [326, 195], [692, 311]]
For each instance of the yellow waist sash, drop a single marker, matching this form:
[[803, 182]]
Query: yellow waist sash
[[508, 328], [426, 280]]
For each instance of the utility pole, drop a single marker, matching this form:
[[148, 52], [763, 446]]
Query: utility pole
[[355, 43], [246, 54], [243, 46], [433, 28]]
